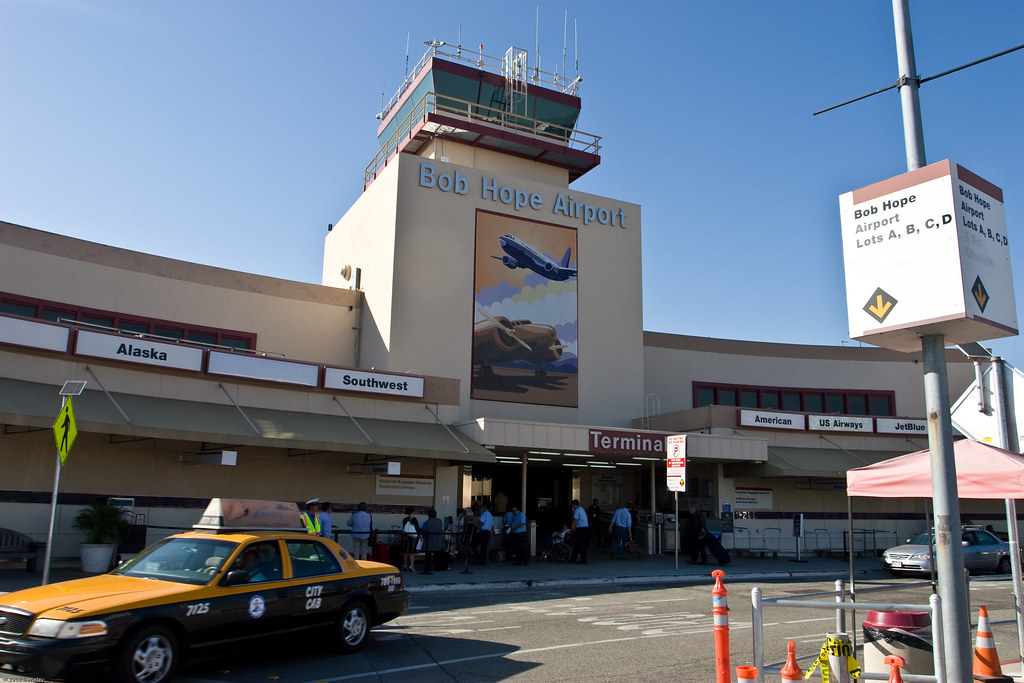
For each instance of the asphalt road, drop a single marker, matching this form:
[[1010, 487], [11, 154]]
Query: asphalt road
[[586, 633]]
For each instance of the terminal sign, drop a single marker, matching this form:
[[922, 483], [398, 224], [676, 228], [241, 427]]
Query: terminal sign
[[926, 252]]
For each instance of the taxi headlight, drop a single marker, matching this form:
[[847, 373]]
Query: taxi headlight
[[920, 556], [54, 628]]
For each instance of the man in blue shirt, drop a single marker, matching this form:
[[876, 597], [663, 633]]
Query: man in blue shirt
[[580, 533], [517, 534], [483, 536], [621, 530], [361, 523], [325, 519]]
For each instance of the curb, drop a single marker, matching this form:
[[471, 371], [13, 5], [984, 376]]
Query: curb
[[526, 584]]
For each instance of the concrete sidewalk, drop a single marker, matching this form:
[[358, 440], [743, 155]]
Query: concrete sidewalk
[[660, 569]]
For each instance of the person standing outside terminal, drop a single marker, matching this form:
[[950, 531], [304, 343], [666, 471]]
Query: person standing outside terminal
[[483, 538], [326, 524], [580, 533], [310, 519], [594, 517], [621, 530], [697, 531], [411, 529], [361, 523], [517, 532], [432, 533]]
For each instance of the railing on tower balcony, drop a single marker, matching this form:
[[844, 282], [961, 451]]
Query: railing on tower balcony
[[479, 114], [497, 65]]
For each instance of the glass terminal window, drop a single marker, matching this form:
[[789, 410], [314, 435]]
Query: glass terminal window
[[844, 402], [12, 304]]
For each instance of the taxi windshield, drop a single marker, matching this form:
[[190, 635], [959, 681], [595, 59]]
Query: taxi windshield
[[182, 560]]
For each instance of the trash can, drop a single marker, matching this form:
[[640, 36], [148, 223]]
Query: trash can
[[36, 562], [668, 530], [907, 634]]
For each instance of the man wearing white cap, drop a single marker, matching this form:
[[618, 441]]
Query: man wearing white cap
[[309, 518]]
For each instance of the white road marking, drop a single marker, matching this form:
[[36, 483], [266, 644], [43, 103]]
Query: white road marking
[[494, 655]]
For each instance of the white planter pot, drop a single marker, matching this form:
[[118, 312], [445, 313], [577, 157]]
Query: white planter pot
[[96, 557]]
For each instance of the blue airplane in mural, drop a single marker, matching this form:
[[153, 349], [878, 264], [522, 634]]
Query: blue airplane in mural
[[519, 254]]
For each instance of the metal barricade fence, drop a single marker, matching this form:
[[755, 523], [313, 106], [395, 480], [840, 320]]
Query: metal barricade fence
[[841, 605], [741, 540], [772, 540]]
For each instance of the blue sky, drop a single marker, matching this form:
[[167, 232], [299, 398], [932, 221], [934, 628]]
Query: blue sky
[[231, 132]]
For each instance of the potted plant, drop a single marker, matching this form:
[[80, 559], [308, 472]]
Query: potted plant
[[104, 526]]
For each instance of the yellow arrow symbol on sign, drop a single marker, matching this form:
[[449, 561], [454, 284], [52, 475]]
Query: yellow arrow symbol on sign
[[980, 295], [881, 306]]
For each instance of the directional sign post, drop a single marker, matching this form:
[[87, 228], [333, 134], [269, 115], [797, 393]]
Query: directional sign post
[[926, 252], [64, 432], [675, 446]]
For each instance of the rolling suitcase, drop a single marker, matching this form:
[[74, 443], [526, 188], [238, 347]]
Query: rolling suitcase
[[714, 546]]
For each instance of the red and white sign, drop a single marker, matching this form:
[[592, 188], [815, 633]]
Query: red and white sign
[[676, 454]]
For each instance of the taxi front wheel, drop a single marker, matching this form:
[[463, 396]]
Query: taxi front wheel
[[353, 626], [146, 655]]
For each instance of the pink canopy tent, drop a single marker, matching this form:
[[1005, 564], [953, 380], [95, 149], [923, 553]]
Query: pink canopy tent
[[982, 472]]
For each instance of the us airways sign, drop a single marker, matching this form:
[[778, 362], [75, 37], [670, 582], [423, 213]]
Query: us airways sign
[[627, 443]]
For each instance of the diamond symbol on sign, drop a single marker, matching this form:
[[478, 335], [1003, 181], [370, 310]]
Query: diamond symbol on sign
[[980, 294], [880, 305]]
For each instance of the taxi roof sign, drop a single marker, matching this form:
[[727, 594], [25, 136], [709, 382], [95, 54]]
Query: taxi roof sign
[[251, 515]]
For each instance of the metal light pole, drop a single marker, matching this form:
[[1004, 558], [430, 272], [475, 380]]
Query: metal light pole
[[949, 560], [999, 391]]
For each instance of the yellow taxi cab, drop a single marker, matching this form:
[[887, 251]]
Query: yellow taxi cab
[[246, 571]]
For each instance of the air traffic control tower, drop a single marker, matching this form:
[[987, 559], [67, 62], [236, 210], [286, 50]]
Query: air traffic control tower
[[479, 261]]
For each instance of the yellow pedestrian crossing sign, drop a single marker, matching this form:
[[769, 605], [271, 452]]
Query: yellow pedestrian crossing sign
[[65, 430]]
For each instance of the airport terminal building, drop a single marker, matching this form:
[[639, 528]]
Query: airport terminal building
[[477, 335]]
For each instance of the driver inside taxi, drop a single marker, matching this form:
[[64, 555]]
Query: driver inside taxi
[[250, 563]]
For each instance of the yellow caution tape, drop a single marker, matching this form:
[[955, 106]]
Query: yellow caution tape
[[835, 648]]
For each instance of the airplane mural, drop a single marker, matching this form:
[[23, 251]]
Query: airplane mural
[[498, 339], [519, 254]]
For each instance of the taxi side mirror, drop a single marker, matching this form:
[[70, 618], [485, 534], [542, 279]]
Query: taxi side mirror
[[236, 577]]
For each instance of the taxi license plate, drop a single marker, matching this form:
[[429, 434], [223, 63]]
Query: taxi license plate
[[897, 564]]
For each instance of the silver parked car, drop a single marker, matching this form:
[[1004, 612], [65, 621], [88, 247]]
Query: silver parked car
[[983, 552]]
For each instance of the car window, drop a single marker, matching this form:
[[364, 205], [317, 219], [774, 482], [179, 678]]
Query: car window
[[261, 560], [311, 558], [985, 538], [184, 560]]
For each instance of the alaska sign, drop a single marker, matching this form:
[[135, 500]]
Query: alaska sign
[[117, 347]]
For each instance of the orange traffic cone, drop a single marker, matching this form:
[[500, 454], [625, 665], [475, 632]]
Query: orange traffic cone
[[986, 660], [744, 674], [791, 670], [895, 662]]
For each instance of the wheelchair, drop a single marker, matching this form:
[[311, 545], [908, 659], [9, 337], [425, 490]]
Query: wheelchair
[[560, 550]]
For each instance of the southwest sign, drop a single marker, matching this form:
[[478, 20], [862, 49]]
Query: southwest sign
[[926, 252]]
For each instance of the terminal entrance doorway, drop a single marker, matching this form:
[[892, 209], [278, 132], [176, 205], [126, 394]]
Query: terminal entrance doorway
[[548, 493]]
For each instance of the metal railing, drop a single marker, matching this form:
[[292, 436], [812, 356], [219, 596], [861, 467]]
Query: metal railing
[[841, 605], [475, 112], [455, 53]]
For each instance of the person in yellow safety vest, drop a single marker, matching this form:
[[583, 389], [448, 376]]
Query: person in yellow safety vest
[[310, 519]]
